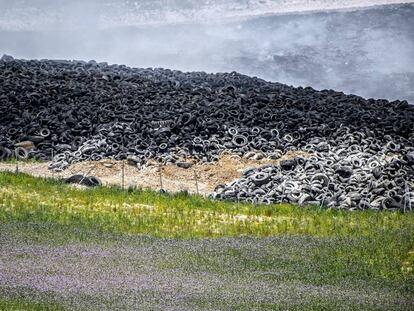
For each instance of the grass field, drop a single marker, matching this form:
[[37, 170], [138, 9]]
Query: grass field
[[63, 247]]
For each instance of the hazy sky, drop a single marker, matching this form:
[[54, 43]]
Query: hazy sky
[[42, 14], [370, 55]]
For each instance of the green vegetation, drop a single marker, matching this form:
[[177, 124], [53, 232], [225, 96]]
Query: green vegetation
[[249, 273], [179, 215], [23, 305], [348, 253]]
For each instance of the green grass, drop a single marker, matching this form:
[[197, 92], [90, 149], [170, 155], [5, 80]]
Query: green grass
[[306, 273], [19, 304], [111, 209], [318, 246]]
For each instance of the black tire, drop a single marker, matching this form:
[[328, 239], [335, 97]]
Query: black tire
[[5, 153], [74, 179], [93, 181], [21, 153]]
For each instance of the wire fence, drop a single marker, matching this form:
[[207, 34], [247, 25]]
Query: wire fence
[[119, 177], [120, 170]]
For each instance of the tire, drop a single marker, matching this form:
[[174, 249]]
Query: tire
[[21, 153], [74, 179], [93, 181], [260, 178], [5, 153]]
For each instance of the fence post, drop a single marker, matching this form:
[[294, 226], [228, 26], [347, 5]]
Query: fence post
[[123, 150], [123, 174], [196, 181], [322, 202], [53, 168], [17, 161], [160, 173]]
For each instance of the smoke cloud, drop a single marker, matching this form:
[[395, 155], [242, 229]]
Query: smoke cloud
[[365, 51]]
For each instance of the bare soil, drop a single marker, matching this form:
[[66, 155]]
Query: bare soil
[[204, 176]]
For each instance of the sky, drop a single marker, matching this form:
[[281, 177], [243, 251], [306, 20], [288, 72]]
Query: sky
[[366, 54], [42, 14]]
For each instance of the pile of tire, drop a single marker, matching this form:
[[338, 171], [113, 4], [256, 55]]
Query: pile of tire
[[339, 178], [81, 111]]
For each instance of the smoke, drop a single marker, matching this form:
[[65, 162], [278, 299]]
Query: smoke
[[366, 51]]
